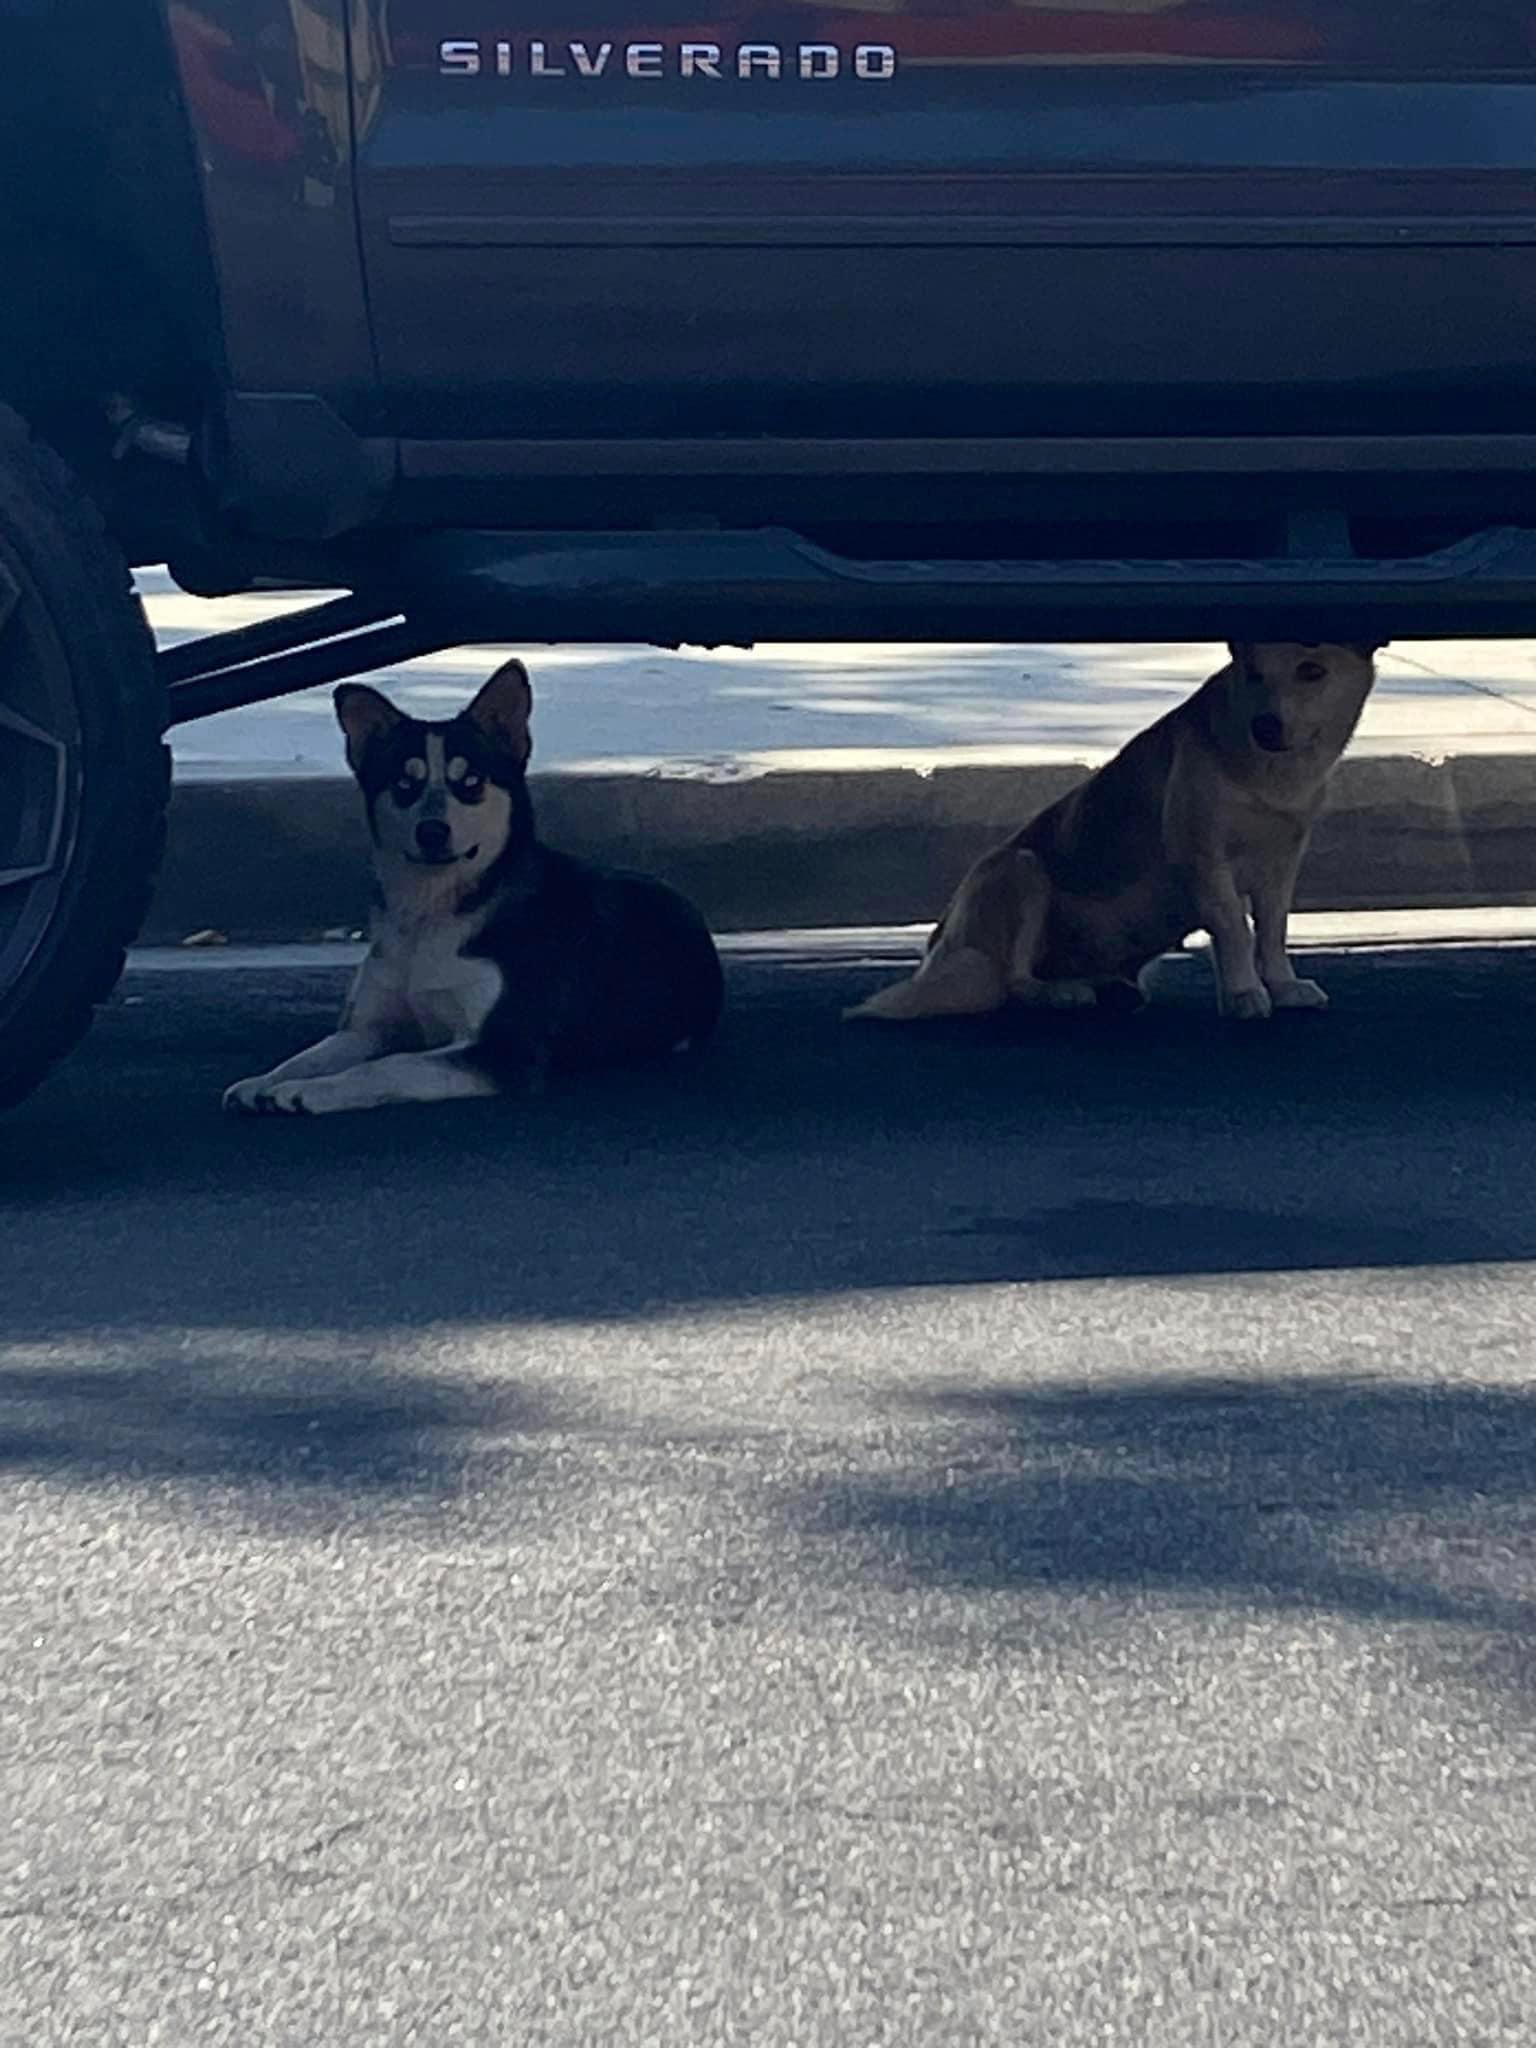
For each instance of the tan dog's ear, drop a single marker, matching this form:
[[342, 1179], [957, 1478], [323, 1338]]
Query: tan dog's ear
[[503, 709], [364, 715]]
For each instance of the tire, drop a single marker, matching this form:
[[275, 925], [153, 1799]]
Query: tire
[[84, 771]]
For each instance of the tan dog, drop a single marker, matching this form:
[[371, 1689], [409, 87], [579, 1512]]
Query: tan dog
[[1205, 813]]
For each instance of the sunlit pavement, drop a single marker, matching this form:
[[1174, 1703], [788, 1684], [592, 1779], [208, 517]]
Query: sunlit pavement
[[1007, 1534]]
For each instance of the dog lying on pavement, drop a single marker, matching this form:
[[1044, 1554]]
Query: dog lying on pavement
[[1203, 814], [493, 959]]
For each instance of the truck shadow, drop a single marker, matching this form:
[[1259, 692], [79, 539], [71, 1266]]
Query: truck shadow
[[798, 1158]]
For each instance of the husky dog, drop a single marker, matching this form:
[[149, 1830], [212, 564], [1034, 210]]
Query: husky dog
[[493, 959], [1203, 815]]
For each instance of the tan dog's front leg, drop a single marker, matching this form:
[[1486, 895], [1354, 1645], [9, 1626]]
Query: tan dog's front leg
[[1272, 897], [1239, 991], [1193, 837]]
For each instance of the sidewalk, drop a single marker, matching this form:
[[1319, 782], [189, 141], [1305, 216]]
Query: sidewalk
[[835, 785], [639, 711]]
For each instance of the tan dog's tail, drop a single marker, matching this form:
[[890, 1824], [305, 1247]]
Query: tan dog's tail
[[970, 956], [954, 981]]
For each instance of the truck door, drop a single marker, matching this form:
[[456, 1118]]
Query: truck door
[[696, 217]]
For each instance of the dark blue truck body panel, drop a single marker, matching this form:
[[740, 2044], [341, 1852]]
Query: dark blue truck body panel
[[1197, 281]]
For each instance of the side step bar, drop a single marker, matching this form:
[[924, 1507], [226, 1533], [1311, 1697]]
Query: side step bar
[[325, 643], [711, 588]]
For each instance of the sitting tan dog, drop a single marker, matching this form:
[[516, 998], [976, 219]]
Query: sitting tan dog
[[1205, 813]]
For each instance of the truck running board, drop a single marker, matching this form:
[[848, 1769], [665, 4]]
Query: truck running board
[[713, 588]]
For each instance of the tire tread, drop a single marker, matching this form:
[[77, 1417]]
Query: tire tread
[[49, 515]]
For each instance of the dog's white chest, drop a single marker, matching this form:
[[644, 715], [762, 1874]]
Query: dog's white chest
[[425, 973]]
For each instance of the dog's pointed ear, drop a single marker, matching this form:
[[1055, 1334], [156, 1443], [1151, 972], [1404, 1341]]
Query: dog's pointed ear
[[1239, 650], [364, 715], [1368, 649], [504, 709]]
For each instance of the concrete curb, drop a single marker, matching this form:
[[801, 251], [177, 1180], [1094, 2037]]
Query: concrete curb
[[286, 859]]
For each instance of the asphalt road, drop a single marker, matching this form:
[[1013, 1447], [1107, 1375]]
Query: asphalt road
[[1005, 1535]]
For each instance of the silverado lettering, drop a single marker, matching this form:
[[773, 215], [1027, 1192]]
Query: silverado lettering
[[535, 57]]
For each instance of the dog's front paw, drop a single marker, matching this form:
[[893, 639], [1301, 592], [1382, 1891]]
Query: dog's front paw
[[264, 1097], [1068, 995], [1298, 995], [1246, 1004], [244, 1098]]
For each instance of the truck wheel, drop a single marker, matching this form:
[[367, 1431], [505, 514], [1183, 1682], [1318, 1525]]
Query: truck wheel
[[84, 773]]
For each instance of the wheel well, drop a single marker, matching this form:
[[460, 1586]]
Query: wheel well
[[109, 286]]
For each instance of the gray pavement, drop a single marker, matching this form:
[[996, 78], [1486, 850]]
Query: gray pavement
[[1014, 1533]]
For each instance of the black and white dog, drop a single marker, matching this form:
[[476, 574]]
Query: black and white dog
[[493, 959]]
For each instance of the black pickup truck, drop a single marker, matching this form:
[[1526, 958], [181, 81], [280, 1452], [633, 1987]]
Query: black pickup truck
[[543, 319]]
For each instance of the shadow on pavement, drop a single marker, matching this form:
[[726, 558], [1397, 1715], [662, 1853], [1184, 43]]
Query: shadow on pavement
[[1130, 1239], [1411, 1502], [212, 1416], [798, 1159]]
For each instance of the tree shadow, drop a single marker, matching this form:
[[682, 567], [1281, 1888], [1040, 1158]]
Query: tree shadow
[[273, 1426], [1386, 1501]]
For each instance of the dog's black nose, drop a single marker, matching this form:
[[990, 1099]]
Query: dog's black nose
[[1268, 733], [432, 836]]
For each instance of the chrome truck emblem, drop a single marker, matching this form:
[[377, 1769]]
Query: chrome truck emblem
[[523, 57]]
